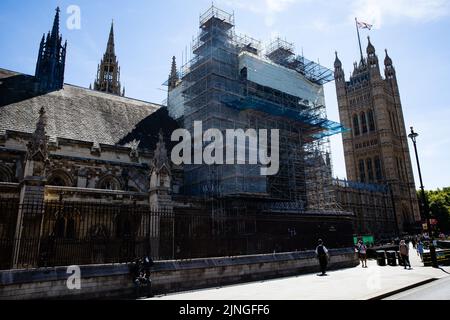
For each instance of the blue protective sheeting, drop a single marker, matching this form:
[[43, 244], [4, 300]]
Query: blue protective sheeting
[[328, 127]]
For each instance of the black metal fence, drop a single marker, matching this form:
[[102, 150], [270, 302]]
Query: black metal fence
[[66, 233]]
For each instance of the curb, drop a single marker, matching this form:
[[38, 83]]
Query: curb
[[392, 293]]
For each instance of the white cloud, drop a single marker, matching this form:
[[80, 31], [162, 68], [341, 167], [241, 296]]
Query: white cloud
[[378, 12], [278, 5], [268, 8]]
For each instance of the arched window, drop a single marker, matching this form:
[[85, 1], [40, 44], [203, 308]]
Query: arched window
[[59, 178], [371, 121], [362, 171], [109, 183], [5, 174], [378, 169], [363, 122], [57, 181], [356, 125], [370, 170]]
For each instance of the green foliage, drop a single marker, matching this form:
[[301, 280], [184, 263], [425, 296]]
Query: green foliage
[[439, 202]]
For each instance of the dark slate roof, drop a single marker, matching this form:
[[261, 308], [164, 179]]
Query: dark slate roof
[[147, 131], [73, 113]]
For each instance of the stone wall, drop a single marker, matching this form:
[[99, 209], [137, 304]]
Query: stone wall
[[114, 281]]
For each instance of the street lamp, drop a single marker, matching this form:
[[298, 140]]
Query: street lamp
[[425, 211]]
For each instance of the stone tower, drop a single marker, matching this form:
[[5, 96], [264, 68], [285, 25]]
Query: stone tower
[[51, 60], [376, 148], [108, 71]]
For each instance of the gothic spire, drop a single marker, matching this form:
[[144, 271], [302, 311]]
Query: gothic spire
[[108, 72], [110, 46], [173, 78], [55, 29], [370, 47], [337, 62], [387, 60], [51, 60]]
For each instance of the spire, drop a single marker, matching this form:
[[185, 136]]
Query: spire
[[370, 48], [110, 47], [389, 70], [108, 71], [387, 60], [51, 60], [55, 29], [173, 77], [339, 75], [337, 62]]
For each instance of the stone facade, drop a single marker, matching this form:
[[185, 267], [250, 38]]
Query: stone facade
[[376, 148]]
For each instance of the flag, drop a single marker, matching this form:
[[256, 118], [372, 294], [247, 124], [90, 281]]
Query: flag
[[363, 25]]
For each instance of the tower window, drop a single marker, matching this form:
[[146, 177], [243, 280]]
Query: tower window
[[356, 125], [364, 122], [378, 170], [371, 121], [362, 171], [370, 170]]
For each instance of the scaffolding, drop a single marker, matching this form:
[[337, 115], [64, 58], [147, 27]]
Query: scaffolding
[[218, 89]]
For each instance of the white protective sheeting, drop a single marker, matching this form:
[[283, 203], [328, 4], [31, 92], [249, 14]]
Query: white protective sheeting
[[266, 73]]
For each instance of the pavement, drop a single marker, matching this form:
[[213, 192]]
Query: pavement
[[357, 283], [436, 290]]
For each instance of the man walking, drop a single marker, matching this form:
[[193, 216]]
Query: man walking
[[322, 255], [404, 253]]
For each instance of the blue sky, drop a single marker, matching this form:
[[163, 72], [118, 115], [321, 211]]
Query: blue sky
[[149, 33]]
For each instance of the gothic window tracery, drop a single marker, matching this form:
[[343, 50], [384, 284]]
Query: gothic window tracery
[[109, 183], [59, 178], [356, 125], [371, 121], [363, 122], [5, 174]]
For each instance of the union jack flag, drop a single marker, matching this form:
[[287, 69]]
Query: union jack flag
[[363, 25]]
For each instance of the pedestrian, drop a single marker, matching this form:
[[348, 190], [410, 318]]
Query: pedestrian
[[362, 251], [420, 250], [404, 253], [323, 256]]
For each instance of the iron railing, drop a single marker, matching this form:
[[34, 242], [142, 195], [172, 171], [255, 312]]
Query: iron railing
[[67, 233]]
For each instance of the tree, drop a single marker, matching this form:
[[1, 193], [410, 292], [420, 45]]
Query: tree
[[439, 202]]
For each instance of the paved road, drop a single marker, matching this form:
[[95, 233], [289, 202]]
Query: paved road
[[347, 284], [437, 290]]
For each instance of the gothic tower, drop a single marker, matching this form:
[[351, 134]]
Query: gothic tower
[[51, 60], [108, 72], [376, 148]]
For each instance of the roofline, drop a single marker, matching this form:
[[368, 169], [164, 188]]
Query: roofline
[[80, 87]]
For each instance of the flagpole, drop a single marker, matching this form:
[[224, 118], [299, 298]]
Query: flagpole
[[359, 40]]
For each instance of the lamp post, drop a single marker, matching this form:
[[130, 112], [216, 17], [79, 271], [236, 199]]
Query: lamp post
[[425, 208]]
